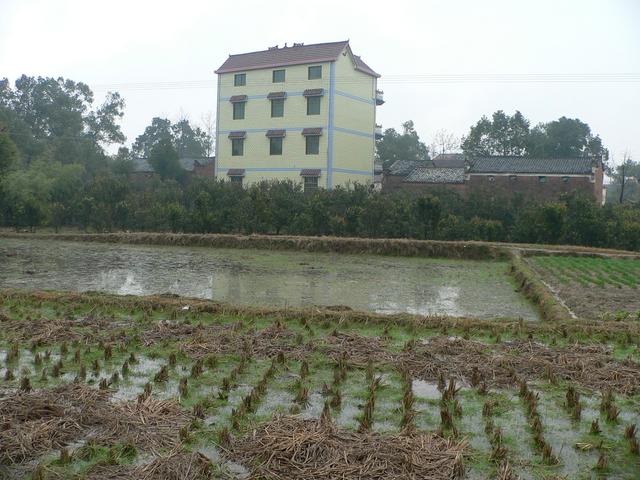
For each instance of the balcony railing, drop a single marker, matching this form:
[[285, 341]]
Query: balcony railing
[[379, 97], [378, 131]]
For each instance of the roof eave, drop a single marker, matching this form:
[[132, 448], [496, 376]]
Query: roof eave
[[275, 65]]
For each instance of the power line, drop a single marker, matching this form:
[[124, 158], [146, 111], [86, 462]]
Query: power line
[[404, 79]]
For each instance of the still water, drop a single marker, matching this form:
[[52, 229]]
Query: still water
[[262, 277]]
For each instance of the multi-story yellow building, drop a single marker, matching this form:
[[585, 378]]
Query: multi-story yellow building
[[306, 113]]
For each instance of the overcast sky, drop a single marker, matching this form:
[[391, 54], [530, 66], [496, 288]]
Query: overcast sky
[[170, 49]]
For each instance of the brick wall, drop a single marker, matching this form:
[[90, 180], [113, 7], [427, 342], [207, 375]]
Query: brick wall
[[207, 170], [531, 186]]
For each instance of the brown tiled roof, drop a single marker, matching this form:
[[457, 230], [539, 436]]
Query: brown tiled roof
[[278, 57], [276, 133], [235, 172], [363, 67], [237, 134], [274, 95], [296, 55], [312, 131], [238, 98], [310, 172], [313, 92]]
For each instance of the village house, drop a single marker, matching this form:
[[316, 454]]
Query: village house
[[305, 113], [195, 167], [538, 178]]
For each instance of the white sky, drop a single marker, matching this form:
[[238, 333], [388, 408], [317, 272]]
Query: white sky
[[104, 43]]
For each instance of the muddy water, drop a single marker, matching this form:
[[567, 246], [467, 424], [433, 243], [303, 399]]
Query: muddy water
[[259, 277]]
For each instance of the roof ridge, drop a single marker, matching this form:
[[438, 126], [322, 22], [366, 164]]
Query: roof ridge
[[282, 48]]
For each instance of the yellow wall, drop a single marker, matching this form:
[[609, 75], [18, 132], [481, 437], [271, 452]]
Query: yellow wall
[[350, 151]]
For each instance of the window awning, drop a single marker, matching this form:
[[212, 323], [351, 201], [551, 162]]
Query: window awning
[[238, 134], [235, 172], [276, 133], [275, 95], [312, 131], [238, 98], [313, 92], [310, 172]]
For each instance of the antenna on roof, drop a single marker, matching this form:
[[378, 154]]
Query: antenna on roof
[[285, 44], [298, 44], [275, 47]]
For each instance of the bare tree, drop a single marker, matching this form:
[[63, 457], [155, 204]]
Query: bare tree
[[622, 169], [208, 122], [444, 141]]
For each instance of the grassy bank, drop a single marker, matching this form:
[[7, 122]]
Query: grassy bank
[[473, 250]]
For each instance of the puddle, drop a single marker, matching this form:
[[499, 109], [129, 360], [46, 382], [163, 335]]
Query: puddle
[[424, 389], [275, 401]]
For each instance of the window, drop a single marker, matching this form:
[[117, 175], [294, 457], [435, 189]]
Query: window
[[277, 107], [513, 178], [237, 179], [492, 178], [278, 76], [238, 110], [240, 80], [312, 144], [237, 147], [542, 179], [310, 184], [313, 105], [565, 179], [275, 146], [315, 72]]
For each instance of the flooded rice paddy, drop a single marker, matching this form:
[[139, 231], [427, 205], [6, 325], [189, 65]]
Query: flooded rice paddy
[[267, 278]]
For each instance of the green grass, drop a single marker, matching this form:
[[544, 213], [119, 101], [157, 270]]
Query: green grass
[[592, 271]]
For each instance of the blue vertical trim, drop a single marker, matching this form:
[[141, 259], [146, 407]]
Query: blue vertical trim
[[217, 160], [332, 93]]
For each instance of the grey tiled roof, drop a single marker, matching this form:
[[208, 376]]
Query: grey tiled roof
[[296, 55], [531, 165], [310, 172], [276, 133], [435, 175], [405, 167], [449, 160]]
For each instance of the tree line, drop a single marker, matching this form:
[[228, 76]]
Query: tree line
[[55, 172]]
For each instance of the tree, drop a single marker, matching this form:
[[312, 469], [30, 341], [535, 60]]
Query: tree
[[428, 212], [444, 142], [122, 162], [565, 137], [209, 127], [406, 146], [9, 155], [625, 180], [165, 160], [53, 119], [27, 197], [502, 135], [186, 140]]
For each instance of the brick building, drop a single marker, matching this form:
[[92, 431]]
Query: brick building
[[539, 178]]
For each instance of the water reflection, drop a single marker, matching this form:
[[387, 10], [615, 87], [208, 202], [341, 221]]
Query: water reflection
[[382, 284]]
